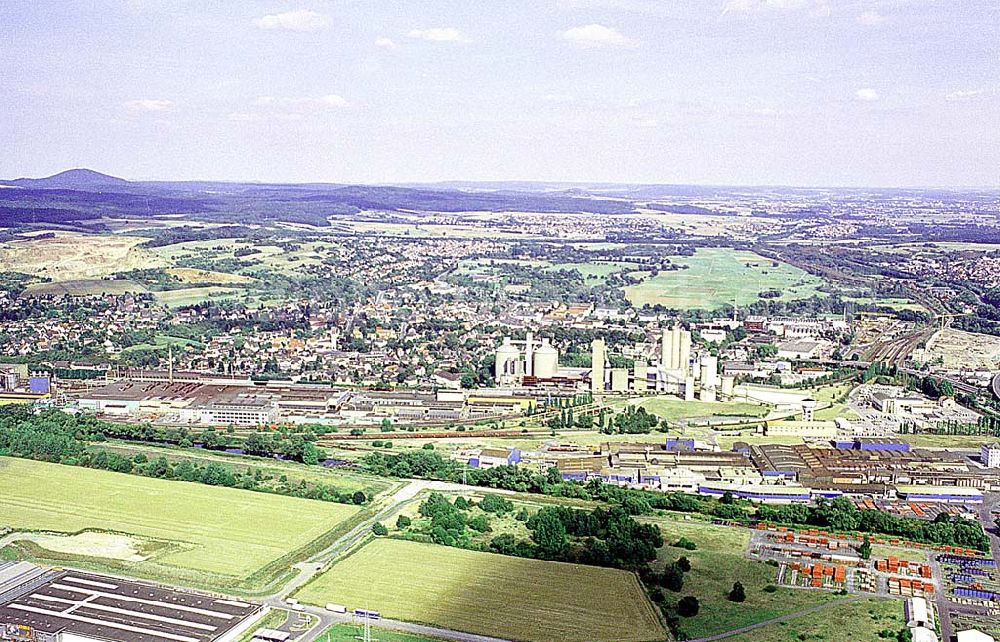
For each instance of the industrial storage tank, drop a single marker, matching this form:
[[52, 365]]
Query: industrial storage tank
[[508, 357], [709, 371], [546, 361], [728, 384]]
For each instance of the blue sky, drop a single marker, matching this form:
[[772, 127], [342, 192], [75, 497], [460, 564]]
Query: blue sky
[[793, 92]]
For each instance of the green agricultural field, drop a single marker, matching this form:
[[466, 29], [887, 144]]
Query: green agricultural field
[[948, 441], [202, 534], [487, 594], [85, 287], [850, 622], [295, 472], [673, 409], [715, 565], [716, 277], [894, 303], [161, 341], [190, 296], [593, 271], [835, 411]]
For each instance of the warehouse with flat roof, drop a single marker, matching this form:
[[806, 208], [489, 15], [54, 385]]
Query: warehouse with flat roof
[[70, 606]]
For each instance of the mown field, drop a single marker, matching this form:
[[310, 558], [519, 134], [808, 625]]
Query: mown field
[[718, 562], [85, 287], [487, 594], [191, 296], [717, 277], [593, 271], [850, 622], [294, 471], [673, 409], [204, 533]]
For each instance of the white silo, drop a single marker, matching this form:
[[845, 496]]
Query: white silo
[[709, 371], [598, 351], [507, 360], [808, 409], [684, 356], [546, 361], [675, 349], [689, 388], [529, 344], [728, 384], [707, 394], [665, 347], [639, 376]]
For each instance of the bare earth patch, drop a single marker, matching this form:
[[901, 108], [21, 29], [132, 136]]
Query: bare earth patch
[[91, 544], [70, 256]]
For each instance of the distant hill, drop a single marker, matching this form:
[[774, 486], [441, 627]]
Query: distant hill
[[82, 179]]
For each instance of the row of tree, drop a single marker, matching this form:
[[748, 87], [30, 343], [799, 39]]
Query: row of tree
[[57, 437]]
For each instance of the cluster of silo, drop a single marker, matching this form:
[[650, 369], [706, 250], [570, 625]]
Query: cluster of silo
[[675, 352], [512, 363]]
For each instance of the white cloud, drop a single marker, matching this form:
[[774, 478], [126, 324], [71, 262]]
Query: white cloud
[[866, 94], [244, 117], [751, 6], [301, 20], [967, 94], [333, 100], [871, 19], [438, 34], [385, 43], [818, 8], [558, 98], [645, 122], [302, 104], [149, 104], [595, 36]]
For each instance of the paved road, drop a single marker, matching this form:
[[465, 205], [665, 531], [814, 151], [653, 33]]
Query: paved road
[[790, 616], [328, 619]]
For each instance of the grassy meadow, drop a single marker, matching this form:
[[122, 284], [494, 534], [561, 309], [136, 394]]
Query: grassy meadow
[[716, 277], [718, 562], [849, 622]]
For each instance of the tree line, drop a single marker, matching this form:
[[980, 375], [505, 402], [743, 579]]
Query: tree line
[[57, 437]]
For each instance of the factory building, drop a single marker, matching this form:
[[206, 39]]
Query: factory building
[[37, 605], [989, 455]]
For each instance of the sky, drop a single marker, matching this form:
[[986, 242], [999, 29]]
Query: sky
[[727, 92]]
